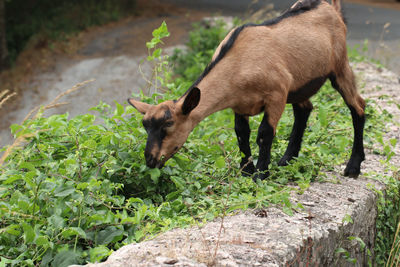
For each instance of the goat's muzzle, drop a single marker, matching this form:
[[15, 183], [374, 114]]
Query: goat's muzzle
[[152, 162]]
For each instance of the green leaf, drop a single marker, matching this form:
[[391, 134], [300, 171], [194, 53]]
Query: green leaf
[[13, 229], [393, 142], [157, 53], [347, 219], [162, 31], [15, 128], [65, 192], [28, 178], [65, 258], [120, 109], [56, 221], [220, 162], [179, 182], [23, 205], [29, 234], [99, 253], [108, 235], [28, 166], [12, 179], [341, 250], [287, 210], [154, 174], [139, 234], [74, 231], [359, 240], [42, 241], [323, 116]]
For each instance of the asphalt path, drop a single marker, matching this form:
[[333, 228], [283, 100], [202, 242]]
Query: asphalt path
[[364, 23]]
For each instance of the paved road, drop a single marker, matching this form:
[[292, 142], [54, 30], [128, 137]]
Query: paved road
[[364, 22]]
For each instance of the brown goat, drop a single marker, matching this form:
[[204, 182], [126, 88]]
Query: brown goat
[[259, 68]]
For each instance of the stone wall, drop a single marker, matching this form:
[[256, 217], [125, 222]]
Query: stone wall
[[270, 237]]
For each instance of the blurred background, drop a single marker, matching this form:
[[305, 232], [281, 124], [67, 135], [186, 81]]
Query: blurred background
[[48, 46]]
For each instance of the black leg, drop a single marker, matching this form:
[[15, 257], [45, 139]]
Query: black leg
[[264, 140], [301, 114], [357, 154], [242, 130], [357, 106]]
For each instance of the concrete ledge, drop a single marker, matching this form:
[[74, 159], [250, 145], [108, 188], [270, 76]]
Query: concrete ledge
[[270, 237]]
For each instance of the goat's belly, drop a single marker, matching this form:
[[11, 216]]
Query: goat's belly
[[249, 108], [306, 91]]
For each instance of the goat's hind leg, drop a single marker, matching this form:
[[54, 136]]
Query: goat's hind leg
[[301, 113], [344, 83], [242, 130]]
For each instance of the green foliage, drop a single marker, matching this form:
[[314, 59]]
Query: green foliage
[[203, 41], [161, 70], [52, 20], [358, 53], [388, 219], [80, 189], [345, 254]]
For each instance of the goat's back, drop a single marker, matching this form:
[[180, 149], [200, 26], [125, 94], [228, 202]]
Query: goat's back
[[293, 51]]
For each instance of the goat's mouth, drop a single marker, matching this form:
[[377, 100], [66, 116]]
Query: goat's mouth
[[160, 164], [154, 163]]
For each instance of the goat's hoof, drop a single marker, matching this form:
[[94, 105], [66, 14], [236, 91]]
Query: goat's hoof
[[352, 172], [246, 173], [248, 170], [261, 176], [284, 161]]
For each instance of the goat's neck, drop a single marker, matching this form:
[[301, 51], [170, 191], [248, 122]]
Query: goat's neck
[[214, 97]]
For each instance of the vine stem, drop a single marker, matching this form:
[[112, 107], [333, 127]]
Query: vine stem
[[79, 157], [79, 225], [392, 255]]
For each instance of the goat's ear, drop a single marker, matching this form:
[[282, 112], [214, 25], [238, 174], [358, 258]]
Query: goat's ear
[[140, 106], [191, 100]]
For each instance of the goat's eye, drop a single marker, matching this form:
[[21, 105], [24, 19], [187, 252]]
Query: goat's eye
[[168, 124]]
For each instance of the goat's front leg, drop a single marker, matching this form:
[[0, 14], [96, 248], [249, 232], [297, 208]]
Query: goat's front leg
[[242, 130], [301, 113], [274, 108], [265, 136]]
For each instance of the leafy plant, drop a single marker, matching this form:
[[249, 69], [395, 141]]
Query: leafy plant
[[387, 223], [203, 41]]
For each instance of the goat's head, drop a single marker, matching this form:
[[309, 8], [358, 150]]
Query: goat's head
[[168, 126]]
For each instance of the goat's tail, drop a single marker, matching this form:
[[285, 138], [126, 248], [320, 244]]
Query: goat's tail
[[337, 5]]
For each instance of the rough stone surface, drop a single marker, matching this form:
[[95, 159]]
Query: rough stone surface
[[270, 237]]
